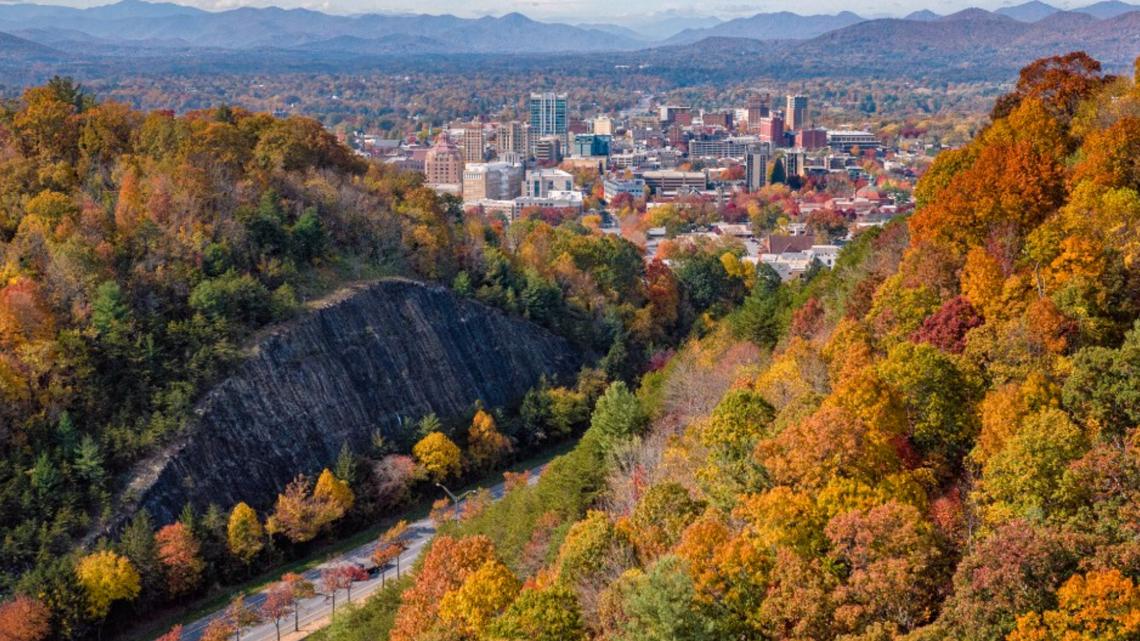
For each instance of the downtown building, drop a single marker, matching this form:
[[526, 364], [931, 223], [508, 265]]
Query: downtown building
[[443, 165], [548, 117], [795, 112], [492, 181], [512, 141], [731, 147], [756, 168]]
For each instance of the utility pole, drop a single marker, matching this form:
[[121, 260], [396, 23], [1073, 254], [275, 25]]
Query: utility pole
[[454, 499]]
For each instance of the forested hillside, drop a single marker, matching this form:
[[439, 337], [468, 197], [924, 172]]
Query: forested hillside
[[942, 444], [142, 253]]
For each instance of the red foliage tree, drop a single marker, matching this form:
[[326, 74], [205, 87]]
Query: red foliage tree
[[24, 619], [1061, 82], [807, 320], [946, 328], [178, 551]]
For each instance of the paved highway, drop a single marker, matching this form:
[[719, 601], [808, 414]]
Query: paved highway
[[316, 610]]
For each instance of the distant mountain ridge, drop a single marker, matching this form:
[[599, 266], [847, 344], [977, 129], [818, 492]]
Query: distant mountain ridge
[[770, 26], [965, 43], [139, 21]]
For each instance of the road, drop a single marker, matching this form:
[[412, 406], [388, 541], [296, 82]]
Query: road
[[318, 609]]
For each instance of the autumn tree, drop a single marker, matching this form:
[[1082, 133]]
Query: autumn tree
[[179, 553], [438, 456], [24, 618], [333, 497], [1060, 82], [1012, 570], [341, 577], [893, 560], [240, 615], [107, 577], [1102, 605], [1024, 477], [541, 614], [946, 328], [661, 515], [244, 534], [484, 595], [661, 604], [391, 545], [933, 391], [296, 516], [486, 447], [300, 588], [445, 567], [219, 629], [737, 424], [277, 605]]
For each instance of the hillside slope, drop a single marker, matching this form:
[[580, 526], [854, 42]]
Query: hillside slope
[[941, 447], [370, 364]]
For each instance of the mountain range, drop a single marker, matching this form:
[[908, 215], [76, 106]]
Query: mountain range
[[968, 44]]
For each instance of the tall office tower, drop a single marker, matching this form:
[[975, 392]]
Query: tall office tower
[[756, 168], [472, 142], [796, 112], [443, 163], [757, 109], [513, 138], [604, 125], [548, 116]]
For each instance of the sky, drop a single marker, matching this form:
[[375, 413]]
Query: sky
[[578, 11]]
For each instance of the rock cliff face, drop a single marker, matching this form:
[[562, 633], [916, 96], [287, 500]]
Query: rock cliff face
[[378, 358]]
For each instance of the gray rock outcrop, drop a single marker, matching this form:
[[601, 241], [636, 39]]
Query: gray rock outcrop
[[376, 359]]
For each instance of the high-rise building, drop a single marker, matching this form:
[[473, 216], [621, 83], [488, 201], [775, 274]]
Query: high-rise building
[[513, 138], [756, 168], [547, 115], [443, 164], [604, 125], [772, 130], [757, 109], [796, 112], [472, 142]]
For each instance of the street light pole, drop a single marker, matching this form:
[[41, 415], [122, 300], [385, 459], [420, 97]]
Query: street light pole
[[454, 499]]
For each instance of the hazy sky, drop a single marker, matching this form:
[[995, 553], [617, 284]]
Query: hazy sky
[[602, 10]]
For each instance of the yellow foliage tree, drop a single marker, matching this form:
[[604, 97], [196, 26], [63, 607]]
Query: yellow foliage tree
[[485, 445], [438, 456], [106, 577], [981, 281], [485, 594], [244, 535], [1103, 605], [333, 496]]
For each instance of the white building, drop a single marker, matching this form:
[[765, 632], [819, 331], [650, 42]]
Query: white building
[[554, 199], [540, 182], [492, 181]]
